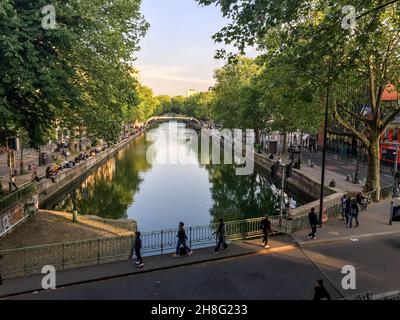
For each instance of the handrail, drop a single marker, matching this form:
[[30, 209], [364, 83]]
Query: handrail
[[11, 199]]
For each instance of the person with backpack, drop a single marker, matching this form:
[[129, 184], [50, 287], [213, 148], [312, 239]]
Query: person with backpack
[[265, 226], [182, 241], [313, 219], [221, 236], [138, 247], [354, 211]]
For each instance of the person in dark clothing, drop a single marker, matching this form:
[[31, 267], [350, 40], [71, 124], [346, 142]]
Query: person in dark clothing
[[221, 236], [347, 210], [13, 183], [265, 225], [361, 201], [354, 211], [320, 293], [138, 247], [313, 219], [182, 240]]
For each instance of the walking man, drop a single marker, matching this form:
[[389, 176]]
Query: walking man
[[266, 228], [313, 219], [182, 241], [221, 236], [13, 183], [320, 293], [354, 211], [138, 247]]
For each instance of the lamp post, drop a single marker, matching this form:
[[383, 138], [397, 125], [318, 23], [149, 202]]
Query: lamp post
[[321, 200], [282, 189], [357, 174]]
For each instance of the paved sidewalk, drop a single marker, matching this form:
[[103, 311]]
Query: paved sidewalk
[[340, 179], [374, 222], [155, 263]]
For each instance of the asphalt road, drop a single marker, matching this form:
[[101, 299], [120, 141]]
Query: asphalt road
[[287, 275], [376, 259]]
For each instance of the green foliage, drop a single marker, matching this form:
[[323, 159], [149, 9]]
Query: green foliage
[[199, 105], [77, 73]]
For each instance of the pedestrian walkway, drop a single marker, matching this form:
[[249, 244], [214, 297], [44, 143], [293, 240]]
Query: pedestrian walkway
[[340, 179], [155, 263], [374, 222]]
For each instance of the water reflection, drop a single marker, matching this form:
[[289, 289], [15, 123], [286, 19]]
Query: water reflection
[[160, 194]]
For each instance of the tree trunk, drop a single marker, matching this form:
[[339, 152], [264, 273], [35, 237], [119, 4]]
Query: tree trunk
[[21, 168], [284, 145], [257, 136], [374, 174]]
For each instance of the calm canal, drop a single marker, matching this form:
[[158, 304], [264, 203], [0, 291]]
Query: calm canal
[[160, 195]]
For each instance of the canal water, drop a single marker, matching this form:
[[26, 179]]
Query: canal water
[[142, 183]]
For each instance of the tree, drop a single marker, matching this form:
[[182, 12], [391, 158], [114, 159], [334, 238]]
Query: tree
[[367, 53], [199, 105], [165, 103], [147, 106], [77, 73], [236, 104]]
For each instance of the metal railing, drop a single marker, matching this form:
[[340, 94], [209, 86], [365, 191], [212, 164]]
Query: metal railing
[[30, 260], [392, 295], [17, 196], [386, 192]]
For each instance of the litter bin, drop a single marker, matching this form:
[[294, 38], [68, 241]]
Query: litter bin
[[44, 159]]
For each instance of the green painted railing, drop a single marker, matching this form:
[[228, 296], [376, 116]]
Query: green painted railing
[[17, 196], [30, 260]]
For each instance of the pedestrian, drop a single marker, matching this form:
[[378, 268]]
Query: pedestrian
[[320, 293], [354, 211], [347, 211], [343, 205], [279, 162], [13, 183], [138, 247], [182, 241], [221, 236], [313, 219], [265, 225], [361, 201]]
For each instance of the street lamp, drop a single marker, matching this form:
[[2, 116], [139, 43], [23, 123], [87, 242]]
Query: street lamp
[[321, 200], [282, 189], [357, 174]]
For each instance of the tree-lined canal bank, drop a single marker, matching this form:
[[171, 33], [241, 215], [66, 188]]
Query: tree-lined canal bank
[[159, 195]]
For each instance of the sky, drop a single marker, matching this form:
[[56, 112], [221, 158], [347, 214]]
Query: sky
[[177, 52]]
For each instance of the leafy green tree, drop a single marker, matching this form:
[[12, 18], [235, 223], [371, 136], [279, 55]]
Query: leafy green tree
[[365, 54]]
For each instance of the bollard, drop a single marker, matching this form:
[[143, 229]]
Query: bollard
[[75, 216]]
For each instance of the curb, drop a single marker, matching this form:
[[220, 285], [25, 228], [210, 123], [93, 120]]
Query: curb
[[365, 235], [142, 271]]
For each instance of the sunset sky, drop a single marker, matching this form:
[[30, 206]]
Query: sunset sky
[[178, 52]]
